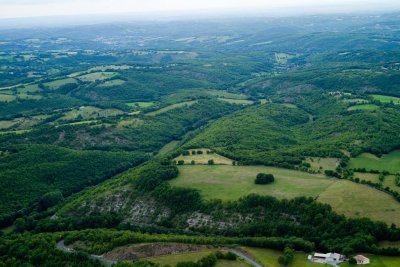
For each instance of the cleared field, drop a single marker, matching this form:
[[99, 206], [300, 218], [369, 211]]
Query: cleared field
[[204, 158], [53, 85], [282, 58], [356, 200], [322, 164], [29, 88], [168, 147], [115, 82], [369, 107], [355, 101], [174, 259], [7, 98], [26, 96], [269, 257], [373, 177], [388, 162], [228, 182], [130, 123], [389, 244], [225, 94], [237, 101], [89, 112], [97, 76], [140, 104], [237, 263], [171, 107], [387, 99], [379, 261]]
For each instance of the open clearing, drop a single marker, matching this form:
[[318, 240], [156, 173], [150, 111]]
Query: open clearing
[[373, 177], [236, 101], [97, 76], [228, 182], [29, 88], [53, 85], [140, 104], [89, 112], [269, 257], [174, 259], [355, 101], [111, 83], [356, 200], [225, 94], [322, 164], [203, 158], [168, 147], [379, 261], [7, 98], [387, 99], [369, 107], [388, 162], [171, 107]]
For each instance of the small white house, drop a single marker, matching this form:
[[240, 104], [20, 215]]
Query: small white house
[[362, 260], [329, 258]]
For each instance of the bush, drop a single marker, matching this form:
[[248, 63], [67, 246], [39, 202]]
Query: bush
[[181, 162], [264, 178], [211, 162], [352, 261]]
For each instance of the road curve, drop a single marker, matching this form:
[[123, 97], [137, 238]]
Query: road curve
[[246, 258]]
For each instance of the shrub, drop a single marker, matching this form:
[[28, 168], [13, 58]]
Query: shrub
[[264, 178], [211, 162], [181, 162]]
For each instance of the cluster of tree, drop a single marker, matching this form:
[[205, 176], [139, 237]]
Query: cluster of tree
[[287, 257], [264, 178]]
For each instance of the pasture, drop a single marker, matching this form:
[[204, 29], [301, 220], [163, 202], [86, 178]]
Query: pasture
[[236, 101], [387, 99], [54, 85], [322, 164], [174, 259], [373, 177], [356, 200], [227, 182], [168, 147], [89, 112], [378, 261], [29, 88], [226, 94], [204, 157], [111, 83], [97, 76], [367, 107], [140, 104], [269, 257], [7, 98], [388, 162], [171, 107]]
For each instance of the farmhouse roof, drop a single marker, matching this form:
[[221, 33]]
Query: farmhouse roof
[[360, 258]]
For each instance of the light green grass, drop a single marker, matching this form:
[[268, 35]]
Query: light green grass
[[32, 97], [140, 104], [225, 94], [174, 259], [89, 112], [368, 107], [378, 261], [355, 101], [53, 85], [111, 83], [204, 158], [373, 177], [388, 162], [6, 124], [237, 263], [357, 200], [130, 123], [97, 76], [232, 182], [322, 164], [237, 101], [168, 147], [171, 107], [29, 88], [387, 99], [269, 258], [7, 98]]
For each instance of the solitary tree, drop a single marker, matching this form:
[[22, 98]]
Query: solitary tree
[[211, 162], [264, 178]]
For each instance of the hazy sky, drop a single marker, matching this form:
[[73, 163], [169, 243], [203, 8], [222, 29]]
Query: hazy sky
[[30, 8]]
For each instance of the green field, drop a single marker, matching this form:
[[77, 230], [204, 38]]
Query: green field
[[7, 98], [53, 85], [369, 107], [373, 177], [387, 99], [322, 164], [97, 76], [171, 107], [26, 96], [174, 259], [111, 83], [140, 104], [237, 263], [388, 162], [379, 261], [29, 88], [204, 158], [356, 200], [355, 101], [228, 182], [269, 258], [168, 147], [225, 94], [237, 101], [89, 112]]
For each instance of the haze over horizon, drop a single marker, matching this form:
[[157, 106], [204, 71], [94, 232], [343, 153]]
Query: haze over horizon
[[45, 8]]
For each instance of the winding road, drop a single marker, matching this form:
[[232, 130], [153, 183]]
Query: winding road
[[246, 258]]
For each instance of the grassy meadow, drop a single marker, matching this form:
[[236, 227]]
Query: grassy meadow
[[111, 83], [140, 104], [387, 99], [204, 158], [368, 107], [97, 76], [269, 257], [322, 164], [53, 85], [89, 112], [237, 101], [228, 182], [171, 107], [174, 259], [388, 162]]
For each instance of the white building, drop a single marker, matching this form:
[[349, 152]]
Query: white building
[[362, 259], [330, 258]]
